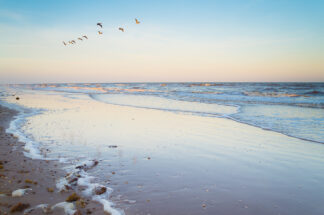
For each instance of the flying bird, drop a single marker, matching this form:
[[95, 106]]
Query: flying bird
[[85, 36], [121, 29], [99, 32], [137, 22], [73, 41], [99, 24], [70, 42], [64, 43], [80, 39]]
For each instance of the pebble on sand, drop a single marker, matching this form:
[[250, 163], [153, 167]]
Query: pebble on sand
[[72, 198], [30, 181], [19, 207], [100, 190], [49, 189], [77, 213]]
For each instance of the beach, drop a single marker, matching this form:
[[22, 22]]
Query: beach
[[156, 155], [37, 177]]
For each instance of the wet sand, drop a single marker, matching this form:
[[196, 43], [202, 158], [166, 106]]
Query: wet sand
[[37, 176]]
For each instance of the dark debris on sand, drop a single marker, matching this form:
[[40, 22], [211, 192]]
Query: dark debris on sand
[[18, 171], [72, 198], [19, 207]]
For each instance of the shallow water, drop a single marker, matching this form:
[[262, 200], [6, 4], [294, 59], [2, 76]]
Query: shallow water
[[275, 98], [176, 160]]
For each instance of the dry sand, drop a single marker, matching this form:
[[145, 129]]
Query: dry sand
[[20, 172]]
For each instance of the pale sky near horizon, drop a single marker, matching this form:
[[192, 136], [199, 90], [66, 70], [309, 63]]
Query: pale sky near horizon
[[177, 40]]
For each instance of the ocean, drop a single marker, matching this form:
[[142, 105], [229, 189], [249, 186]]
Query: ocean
[[294, 109], [182, 148]]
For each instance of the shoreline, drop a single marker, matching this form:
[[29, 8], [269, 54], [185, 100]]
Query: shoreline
[[209, 165], [37, 178]]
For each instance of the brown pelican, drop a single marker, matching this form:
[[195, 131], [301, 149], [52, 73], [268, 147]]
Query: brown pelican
[[85, 36], [99, 24], [80, 39], [64, 43], [121, 29], [137, 22], [73, 41], [99, 32]]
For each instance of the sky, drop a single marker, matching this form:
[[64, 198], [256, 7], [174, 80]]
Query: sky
[[177, 40]]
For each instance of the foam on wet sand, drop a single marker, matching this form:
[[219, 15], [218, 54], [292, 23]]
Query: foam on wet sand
[[17, 193]]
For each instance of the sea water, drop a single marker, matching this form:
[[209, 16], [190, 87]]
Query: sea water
[[184, 148], [294, 109]]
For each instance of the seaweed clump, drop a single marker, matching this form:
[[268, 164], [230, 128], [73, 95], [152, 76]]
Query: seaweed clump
[[73, 197]]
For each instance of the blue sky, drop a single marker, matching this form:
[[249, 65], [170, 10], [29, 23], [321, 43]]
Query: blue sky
[[280, 39], [276, 16]]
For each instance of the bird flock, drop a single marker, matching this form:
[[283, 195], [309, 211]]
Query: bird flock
[[100, 32]]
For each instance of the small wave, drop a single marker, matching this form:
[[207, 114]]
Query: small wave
[[164, 104], [272, 94], [315, 92], [97, 88], [206, 92], [203, 85], [137, 89], [31, 148]]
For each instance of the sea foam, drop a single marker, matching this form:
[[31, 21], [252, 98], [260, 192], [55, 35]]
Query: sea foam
[[32, 151]]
